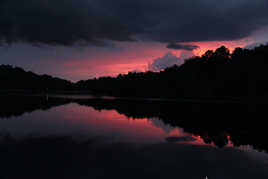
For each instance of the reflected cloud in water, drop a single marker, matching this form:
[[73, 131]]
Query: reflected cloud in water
[[65, 157]]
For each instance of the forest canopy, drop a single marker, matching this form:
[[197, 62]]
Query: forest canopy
[[16, 78], [217, 74]]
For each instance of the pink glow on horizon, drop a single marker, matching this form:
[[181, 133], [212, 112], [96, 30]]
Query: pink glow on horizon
[[112, 64], [134, 57], [138, 59]]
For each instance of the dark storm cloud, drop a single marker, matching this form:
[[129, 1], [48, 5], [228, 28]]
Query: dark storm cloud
[[65, 22], [177, 46], [172, 139]]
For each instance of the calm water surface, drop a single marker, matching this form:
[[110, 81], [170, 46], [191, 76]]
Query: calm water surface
[[85, 137]]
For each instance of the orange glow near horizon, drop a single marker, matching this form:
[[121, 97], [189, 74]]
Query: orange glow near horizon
[[213, 45]]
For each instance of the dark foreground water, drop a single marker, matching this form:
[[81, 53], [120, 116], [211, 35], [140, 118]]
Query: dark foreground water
[[85, 137]]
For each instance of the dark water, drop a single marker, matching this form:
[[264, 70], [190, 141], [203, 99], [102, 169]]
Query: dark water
[[87, 137]]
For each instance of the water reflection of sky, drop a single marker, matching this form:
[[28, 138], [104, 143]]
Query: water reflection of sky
[[81, 122], [159, 160]]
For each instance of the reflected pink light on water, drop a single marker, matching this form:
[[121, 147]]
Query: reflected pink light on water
[[110, 121], [84, 121]]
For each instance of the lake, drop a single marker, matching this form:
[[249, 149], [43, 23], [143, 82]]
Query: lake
[[63, 136]]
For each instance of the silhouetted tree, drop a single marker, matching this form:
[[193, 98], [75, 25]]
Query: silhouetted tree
[[17, 78], [214, 75]]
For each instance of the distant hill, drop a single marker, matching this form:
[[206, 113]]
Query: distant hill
[[217, 74], [15, 78]]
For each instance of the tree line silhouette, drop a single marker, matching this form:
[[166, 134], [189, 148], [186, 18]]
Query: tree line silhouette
[[217, 74], [16, 78]]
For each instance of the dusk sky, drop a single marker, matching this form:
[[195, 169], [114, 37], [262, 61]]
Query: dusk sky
[[83, 39]]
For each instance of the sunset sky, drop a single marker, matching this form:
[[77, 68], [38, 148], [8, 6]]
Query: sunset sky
[[83, 39]]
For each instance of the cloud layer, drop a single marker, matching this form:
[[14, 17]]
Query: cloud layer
[[66, 22], [178, 46]]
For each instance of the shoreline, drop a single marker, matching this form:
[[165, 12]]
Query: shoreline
[[62, 94]]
